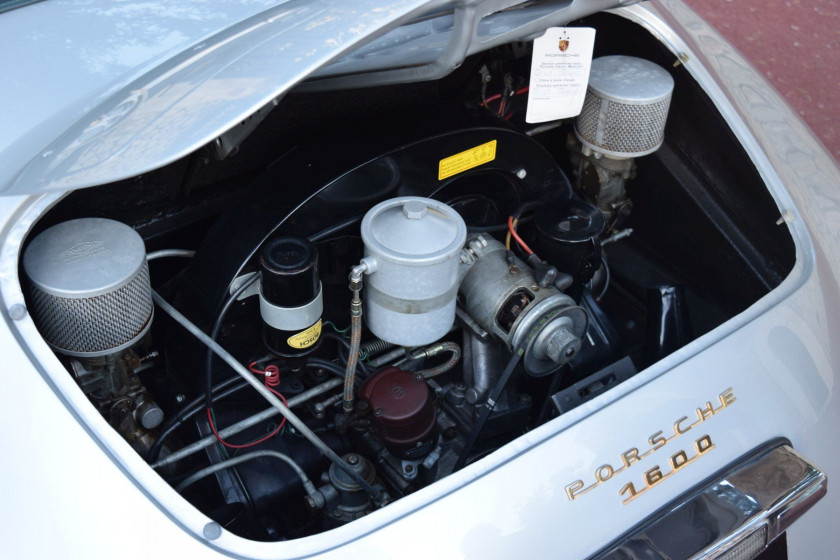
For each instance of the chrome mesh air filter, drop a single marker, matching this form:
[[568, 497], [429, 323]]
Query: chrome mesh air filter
[[625, 108], [90, 291]]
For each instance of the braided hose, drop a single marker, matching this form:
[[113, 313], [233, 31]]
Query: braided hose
[[356, 281], [352, 359], [436, 349]]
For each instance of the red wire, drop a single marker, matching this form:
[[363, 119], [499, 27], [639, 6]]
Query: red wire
[[499, 95], [272, 379], [272, 376], [516, 236], [233, 446]]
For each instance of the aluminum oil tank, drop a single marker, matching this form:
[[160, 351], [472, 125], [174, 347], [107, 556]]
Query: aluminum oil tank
[[412, 247]]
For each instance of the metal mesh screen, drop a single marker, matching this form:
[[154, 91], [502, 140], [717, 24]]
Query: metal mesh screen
[[95, 324], [626, 129]]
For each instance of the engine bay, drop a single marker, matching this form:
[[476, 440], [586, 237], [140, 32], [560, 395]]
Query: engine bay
[[378, 287]]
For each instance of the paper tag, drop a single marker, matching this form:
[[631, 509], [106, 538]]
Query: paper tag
[[559, 73]]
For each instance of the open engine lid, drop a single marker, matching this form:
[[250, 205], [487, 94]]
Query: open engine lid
[[103, 90]]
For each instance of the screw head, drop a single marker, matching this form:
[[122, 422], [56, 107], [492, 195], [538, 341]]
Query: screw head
[[212, 531], [17, 311], [378, 412]]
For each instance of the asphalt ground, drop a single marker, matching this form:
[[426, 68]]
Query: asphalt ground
[[796, 45]]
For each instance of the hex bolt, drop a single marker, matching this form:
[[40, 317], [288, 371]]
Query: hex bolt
[[352, 460], [560, 344]]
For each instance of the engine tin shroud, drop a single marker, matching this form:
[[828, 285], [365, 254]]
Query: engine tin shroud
[[332, 180]]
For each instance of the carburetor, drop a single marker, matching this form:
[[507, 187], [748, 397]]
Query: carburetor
[[91, 297], [502, 295]]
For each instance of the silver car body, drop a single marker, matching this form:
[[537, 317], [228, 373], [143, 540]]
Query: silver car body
[[72, 487]]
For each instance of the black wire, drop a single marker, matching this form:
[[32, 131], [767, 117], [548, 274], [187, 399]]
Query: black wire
[[567, 181], [488, 408], [497, 228], [217, 326], [527, 207], [326, 365], [606, 280], [343, 342], [208, 390]]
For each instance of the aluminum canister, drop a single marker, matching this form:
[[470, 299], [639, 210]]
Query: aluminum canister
[[412, 247], [626, 107]]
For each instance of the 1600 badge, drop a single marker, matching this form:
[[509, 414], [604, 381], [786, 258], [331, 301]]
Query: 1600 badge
[[676, 462]]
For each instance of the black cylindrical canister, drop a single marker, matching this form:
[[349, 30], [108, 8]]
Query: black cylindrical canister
[[291, 301], [567, 237]]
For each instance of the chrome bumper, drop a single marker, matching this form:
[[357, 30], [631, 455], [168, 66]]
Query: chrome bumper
[[734, 517]]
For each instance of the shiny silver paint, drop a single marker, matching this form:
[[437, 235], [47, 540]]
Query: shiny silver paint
[[791, 154], [780, 355], [144, 84]]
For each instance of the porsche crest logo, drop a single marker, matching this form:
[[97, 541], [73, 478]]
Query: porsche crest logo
[[563, 45]]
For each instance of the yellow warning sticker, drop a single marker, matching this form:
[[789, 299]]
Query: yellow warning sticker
[[307, 338], [467, 160]]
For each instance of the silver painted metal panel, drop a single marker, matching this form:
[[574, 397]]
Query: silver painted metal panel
[[781, 357], [100, 91]]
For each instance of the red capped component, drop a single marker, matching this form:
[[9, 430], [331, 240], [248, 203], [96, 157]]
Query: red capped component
[[403, 411]]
